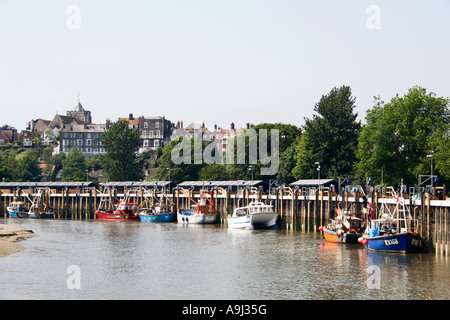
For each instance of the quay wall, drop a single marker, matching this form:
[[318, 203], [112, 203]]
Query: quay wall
[[297, 210]]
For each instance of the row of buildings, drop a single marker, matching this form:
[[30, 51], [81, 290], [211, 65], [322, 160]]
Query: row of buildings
[[76, 129]]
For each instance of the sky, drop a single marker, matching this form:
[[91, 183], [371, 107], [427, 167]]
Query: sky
[[216, 61]]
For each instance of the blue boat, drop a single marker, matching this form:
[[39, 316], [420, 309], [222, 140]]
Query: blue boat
[[18, 209], [405, 242], [394, 232], [38, 209], [159, 213]]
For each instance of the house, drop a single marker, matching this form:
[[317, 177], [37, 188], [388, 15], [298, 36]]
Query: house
[[4, 139], [86, 137], [8, 134], [155, 132], [76, 129], [26, 137], [38, 126], [219, 135]]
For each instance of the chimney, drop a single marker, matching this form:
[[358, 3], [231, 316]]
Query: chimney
[[215, 127], [248, 125], [181, 124], [130, 117], [232, 126], [108, 123]]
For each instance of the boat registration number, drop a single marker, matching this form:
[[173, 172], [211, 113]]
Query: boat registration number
[[390, 242]]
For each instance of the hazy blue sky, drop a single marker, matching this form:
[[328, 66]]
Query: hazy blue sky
[[215, 61]]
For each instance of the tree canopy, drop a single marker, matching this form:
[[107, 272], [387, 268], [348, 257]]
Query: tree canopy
[[120, 161], [400, 134], [74, 166], [330, 137]]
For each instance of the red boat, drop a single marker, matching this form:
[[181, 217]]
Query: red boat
[[124, 211]]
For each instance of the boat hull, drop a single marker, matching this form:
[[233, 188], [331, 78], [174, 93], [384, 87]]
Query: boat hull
[[403, 242], [103, 215], [195, 218], [163, 217], [14, 214], [253, 221], [42, 215], [22, 214], [346, 237]]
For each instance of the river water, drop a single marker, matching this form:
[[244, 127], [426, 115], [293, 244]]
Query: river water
[[141, 260]]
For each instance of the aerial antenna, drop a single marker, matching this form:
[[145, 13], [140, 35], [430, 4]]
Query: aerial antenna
[[78, 96]]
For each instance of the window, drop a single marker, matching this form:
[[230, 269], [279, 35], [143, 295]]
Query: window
[[156, 143], [89, 142], [65, 142], [158, 133], [144, 133], [156, 124], [80, 142], [145, 143], [145, 125], [88, 150], [151, 133]]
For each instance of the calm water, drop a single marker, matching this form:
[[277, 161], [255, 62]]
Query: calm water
[[137, 260]]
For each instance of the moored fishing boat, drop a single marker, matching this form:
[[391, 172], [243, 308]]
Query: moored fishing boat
[[123, 210], [18, 209], [345, 228], [257, 215], [157, 213], [40, 205], [394, 232], [202, 211]]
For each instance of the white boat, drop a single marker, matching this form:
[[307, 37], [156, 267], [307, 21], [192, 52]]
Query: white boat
[[257, 215], [202, 211]]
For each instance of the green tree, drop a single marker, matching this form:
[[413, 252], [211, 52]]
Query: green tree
[[398, 136], [28, 166], [188, 169], [57, 160], [214, 172], [287, 137], [330, 137], [120, 161], [72, 165]]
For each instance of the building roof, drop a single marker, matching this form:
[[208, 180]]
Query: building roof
[[78, 108], [149, 184], [312, 182], [222, 184], [9, 185]]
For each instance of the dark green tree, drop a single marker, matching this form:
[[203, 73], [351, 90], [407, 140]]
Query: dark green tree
[[182, 165], [72, 165], [28, 166], [120, 161], [286, 136], [330, 137], [398, 136]]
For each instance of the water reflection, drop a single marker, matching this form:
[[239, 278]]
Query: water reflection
[[133, 260]]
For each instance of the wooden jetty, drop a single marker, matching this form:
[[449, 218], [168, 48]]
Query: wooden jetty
[[299, 209]]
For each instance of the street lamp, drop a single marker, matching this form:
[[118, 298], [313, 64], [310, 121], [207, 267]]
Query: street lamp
[[169, 173], [431, 156], [318, 169], [250, 167]]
